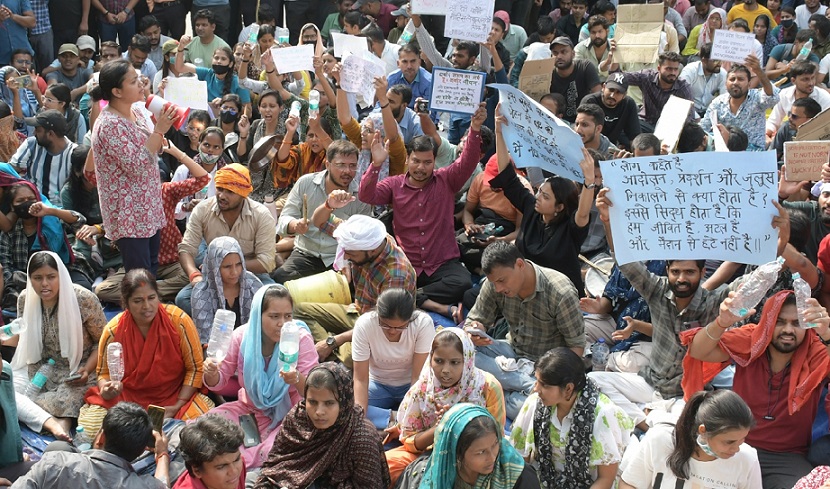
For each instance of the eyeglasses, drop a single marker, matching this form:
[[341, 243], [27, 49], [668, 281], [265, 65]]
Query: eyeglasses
[[391, 328], [344, 167], [49, 99]]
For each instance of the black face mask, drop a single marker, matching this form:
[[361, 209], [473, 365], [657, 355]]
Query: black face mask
[[221, 69], [227, 117], [22, 210], [787, 23]]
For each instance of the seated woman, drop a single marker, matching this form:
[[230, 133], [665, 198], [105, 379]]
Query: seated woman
[[227, 285], [211, 157], [573, 433], [389, 348], [266, 392], [63, 322], [59, 97], [325, 440], [162, 357], [449, 377], [706, 447], [189, 142], [471, 451], [229, 121], [210, 448]]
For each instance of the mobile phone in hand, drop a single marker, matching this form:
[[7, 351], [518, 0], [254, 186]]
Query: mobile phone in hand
[[156, 416]]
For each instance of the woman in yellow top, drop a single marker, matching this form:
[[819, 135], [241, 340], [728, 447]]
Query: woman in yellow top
[[447, 378]]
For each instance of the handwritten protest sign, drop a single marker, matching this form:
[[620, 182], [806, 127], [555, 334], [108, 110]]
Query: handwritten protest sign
[[357, 75], [346, 43], [816, 129], [429, 7], [469, 21], [295, 58], [187, 92], [804, 159], [638, 33], [535, 137], [535, 77], [457, 91], [732, 45], [693, 206], [672, 120]]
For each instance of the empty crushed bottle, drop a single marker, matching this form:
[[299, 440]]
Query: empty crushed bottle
[[599, 355], [220, 334], [802, 293], [39, 380], [755, 287], [115, 361]]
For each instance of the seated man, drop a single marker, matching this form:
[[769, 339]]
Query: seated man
[[125, 433], [45, 158], [705, 78], [423, 202], [657, 86], [541, 308], [229, 213], [621, 124], [801, 111], [776, 352], [314, 250], [139, 56], [803, 76], [570, 24], [70, 72]]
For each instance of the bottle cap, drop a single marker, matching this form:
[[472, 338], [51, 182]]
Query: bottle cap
[[51, 361], [796, 276]]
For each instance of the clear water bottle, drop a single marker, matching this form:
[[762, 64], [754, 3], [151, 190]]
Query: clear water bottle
[[295, 109], [754, 288], [599, 355], [252, 35], [289, 346], [407, 34], [272, 207], [313, 104], [804, 53], [12, 329], [115, 361], [39, 380], [802, 293], [282, 35], [81, 441], [220, 334]]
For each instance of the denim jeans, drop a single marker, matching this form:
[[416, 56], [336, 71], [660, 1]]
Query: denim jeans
[[124, 32], [383, 399], [516, 385]]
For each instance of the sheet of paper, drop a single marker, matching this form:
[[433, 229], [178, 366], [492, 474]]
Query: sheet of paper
[[294, 58], [693, 206], [804, 159], [187, 91], [429, 7], [535, 77], [469, 21], [535, 137], [346, 43], [638, 33], [732, 45], [457, 91], [816, 129], [720, 144], [672, 120], [357, 75]]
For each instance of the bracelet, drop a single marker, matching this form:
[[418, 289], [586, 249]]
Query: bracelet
[[197, 273], [269, 72], [384, 106], [246, 60], [106, 13], [162, 454], [326, 204], [706, 329], [100, 228], [717, 323]]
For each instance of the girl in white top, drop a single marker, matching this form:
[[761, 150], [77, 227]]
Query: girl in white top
[[705, 449], [389, 348]]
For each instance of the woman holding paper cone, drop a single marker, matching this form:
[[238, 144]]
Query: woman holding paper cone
[[220, 77], [555, 220]]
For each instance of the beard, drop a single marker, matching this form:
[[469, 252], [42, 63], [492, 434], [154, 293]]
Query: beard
[[598, 42], [685, 293]]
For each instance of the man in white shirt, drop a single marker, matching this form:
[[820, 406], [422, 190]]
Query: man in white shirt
[[803, 76], [380, 47], [804, 12], [706, 79]]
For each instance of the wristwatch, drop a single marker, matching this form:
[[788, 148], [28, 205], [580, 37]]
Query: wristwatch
[[127, 10], [331, 342], [823, 341], [589, 185]]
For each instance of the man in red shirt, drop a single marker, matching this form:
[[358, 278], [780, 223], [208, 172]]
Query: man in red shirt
[[381, 12]]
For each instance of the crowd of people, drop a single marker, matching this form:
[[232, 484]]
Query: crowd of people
[[462, 354]]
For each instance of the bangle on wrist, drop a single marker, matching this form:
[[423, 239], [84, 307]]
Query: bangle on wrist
[[706, 330], [192, 275], [384, 106], [326, 203], [106, 13], [269, 72], [246, 60]]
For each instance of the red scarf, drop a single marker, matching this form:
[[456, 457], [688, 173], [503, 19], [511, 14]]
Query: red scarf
[[187, 481], [810, 362], [153, 366]]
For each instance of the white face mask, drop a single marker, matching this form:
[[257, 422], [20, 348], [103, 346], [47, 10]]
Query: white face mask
[[705, 447], [208, 159]]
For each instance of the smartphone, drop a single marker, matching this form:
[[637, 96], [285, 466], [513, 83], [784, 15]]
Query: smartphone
[[24, 81], [71, 377], [479, 333], [156, 416], [422, 106], [250, 430]]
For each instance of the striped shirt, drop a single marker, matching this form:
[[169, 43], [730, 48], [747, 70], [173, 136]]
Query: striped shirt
[[47, 171]]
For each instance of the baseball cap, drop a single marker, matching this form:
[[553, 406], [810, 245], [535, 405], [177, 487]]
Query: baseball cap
[[86, 42], [360, 3], [617, 80], [68, 48], [401, 11], [169, 46], [49, 119], [563, 40]]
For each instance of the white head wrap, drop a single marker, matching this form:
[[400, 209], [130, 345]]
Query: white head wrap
[[357, 233]]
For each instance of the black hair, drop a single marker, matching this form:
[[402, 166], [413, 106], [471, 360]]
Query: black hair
[[212, 130], [112, 76], [691, 138], [557, 97], [470, 47], [740, 68], [706, 51], [5, 110], [422, 143], [264, 30], [604, 6], [822, 26], [232, 98], [476, 428], [668, 56], [275, 292], [411, 47], [341, 147], [404, 91], [488, 139], [373, 32], [199, 116], [740, 24], [210, 436], [270, 93], [718, 411], [141, 42], [811, 107], [446, 338], [763, 18], [265, 14], [738, 140], [804, 35], [205, 14], [148, 21], [228, 81], [545, 26], [579, 2], [354, 17], [596, 20], [500, 22], [322, 378], [21, 51], [500, 254], [645, 141], [39, 260], [83, 200], [134, 280], [800, 226], [127, 430], [802, 67], [701, 264], [560, 367], [395, 303], [62, 93], [594, 111]]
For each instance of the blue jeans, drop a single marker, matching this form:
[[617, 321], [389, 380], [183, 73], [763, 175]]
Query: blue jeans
[[516, 385], [383, 399], [124, 32], [183, 297]]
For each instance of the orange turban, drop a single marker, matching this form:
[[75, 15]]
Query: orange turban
[[235, 178]]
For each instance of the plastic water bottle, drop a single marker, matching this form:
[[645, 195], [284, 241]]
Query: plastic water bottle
[[39, 380], [115, 361], [220, 334], [81, 441], [599, 355], [252, 35], [12, 329], [289, 346], [272, 207], [407, 34], [755, 287], [802, 293], [282, 35], [313, 104], [295, 109], [805, 50]]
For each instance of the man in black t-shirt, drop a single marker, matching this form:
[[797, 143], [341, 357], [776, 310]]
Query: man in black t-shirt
[[622, 124], [573, 79], [68, 22]]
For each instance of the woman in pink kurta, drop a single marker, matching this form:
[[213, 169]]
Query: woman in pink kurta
[[124, 148], [266, 392]]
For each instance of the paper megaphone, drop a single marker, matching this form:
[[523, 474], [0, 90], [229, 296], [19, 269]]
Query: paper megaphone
[[156, 105]]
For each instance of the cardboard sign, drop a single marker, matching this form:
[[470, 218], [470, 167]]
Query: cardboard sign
[[638, 33], [469, 21], [816, 129], [804, 159], [672, 120], [732, 45], [294, 58], [535, 77], [456, 91]]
